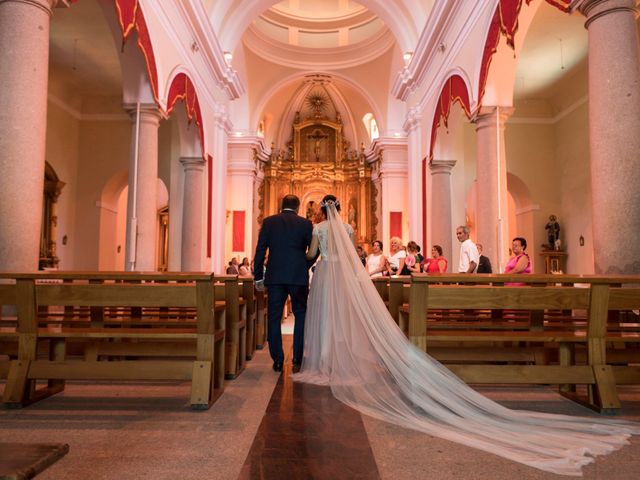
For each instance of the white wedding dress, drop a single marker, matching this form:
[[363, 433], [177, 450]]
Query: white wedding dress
[[354, 346]]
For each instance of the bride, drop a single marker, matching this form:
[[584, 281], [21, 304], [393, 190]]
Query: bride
[[353, 345]]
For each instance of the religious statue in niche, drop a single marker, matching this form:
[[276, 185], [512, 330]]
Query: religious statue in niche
[[553, 233], [317, 143], [353, 215], [311, 211]]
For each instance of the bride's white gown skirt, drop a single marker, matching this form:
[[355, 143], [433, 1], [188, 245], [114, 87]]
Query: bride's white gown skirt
[[353, 345]]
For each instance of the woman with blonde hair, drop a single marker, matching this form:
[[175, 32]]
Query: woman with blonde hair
[[398, 254]]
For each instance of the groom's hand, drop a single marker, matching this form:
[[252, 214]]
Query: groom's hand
[[260, 285]]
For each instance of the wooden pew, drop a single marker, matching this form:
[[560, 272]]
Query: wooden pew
[[382, 286], [430, 292], [8, 326], [261, 319], [247, 288], [623, 334], [128, 318], [399, 287], [236, 325]]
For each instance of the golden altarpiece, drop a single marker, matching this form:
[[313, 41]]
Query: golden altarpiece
[[317, 161]]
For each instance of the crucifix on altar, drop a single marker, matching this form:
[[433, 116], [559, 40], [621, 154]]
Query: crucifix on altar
[[317, 145]]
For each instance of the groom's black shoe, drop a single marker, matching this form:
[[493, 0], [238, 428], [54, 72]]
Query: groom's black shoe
[[277, 366], [296, 367]]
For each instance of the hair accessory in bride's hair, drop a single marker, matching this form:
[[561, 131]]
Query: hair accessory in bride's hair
[[330, 202]]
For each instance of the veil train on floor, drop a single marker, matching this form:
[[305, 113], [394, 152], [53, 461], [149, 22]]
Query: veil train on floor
[[353, 345]]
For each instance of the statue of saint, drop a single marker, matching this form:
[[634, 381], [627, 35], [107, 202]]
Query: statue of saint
[[353, 217], [553, 233], [311, 211]]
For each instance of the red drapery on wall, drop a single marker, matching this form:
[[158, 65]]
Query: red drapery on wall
[[395, 224], [505, 21], [209, 202], [182, 89], [130, 16], [424, 201], [238, 231], [454, 90], [126, 10]]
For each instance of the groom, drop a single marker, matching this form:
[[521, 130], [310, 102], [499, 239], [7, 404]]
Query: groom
[[287, 236]]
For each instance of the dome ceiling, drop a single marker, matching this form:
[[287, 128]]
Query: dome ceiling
[[319, 23], [325, 33]]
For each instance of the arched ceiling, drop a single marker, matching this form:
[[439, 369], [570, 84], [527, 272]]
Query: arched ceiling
[[319, 20], [290, 98], [311, 24]]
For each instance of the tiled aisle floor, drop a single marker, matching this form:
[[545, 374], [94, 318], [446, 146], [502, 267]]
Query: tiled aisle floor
[[305, 434], [138, 431]]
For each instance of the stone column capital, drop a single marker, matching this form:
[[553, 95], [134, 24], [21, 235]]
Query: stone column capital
[[195, 164], [148, 111], [594, 9], [441, 166], [486, 117], [412, 121], [45, 5]]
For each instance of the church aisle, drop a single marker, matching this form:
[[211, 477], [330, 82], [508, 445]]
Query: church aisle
[[307, 434], [264, 426]]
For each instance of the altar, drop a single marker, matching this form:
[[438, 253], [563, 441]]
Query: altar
[[317, 161]]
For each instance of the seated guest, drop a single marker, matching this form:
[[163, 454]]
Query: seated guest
[[420, 258], [484, 264], [520, 262], [233, 269], [437, 263], [411, 261], [362, 254], [245, 267], [376, 262], [396, 259]]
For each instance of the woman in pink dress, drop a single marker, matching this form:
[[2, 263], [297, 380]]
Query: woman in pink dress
[[520, 262], [437, 263]]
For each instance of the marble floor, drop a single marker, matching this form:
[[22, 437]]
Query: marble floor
[[266, 427]]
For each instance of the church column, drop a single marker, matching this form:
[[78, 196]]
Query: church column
[[415, 180], [393, 185], [24, 64], [492, 200], [241, 175], [192, 214], [219, 194], [441, 228], [614, 123], [143, 182]]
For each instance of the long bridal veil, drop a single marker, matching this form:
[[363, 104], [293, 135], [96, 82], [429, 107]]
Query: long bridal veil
[[355, 347]]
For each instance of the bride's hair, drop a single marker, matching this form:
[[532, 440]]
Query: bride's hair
[[326, 200]]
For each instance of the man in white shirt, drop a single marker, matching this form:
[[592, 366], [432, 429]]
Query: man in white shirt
[[469, 256]]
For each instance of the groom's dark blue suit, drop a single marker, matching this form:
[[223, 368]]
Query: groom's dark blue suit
[[287, 237]]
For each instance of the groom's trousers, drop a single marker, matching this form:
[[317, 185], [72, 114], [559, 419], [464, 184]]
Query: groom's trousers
[[277, 296]]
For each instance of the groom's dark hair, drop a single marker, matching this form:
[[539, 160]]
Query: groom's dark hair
[[291, 201]]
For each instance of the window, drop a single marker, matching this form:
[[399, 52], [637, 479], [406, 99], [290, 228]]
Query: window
[[371, 125]]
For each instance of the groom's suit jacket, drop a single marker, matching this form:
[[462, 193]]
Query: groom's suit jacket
[[287, 236]]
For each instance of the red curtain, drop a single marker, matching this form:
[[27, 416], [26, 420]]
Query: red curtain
[[238, 231], [423, 180], [454, 90], [209, 202], [395, 224], [182, 89], [505, 21]]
